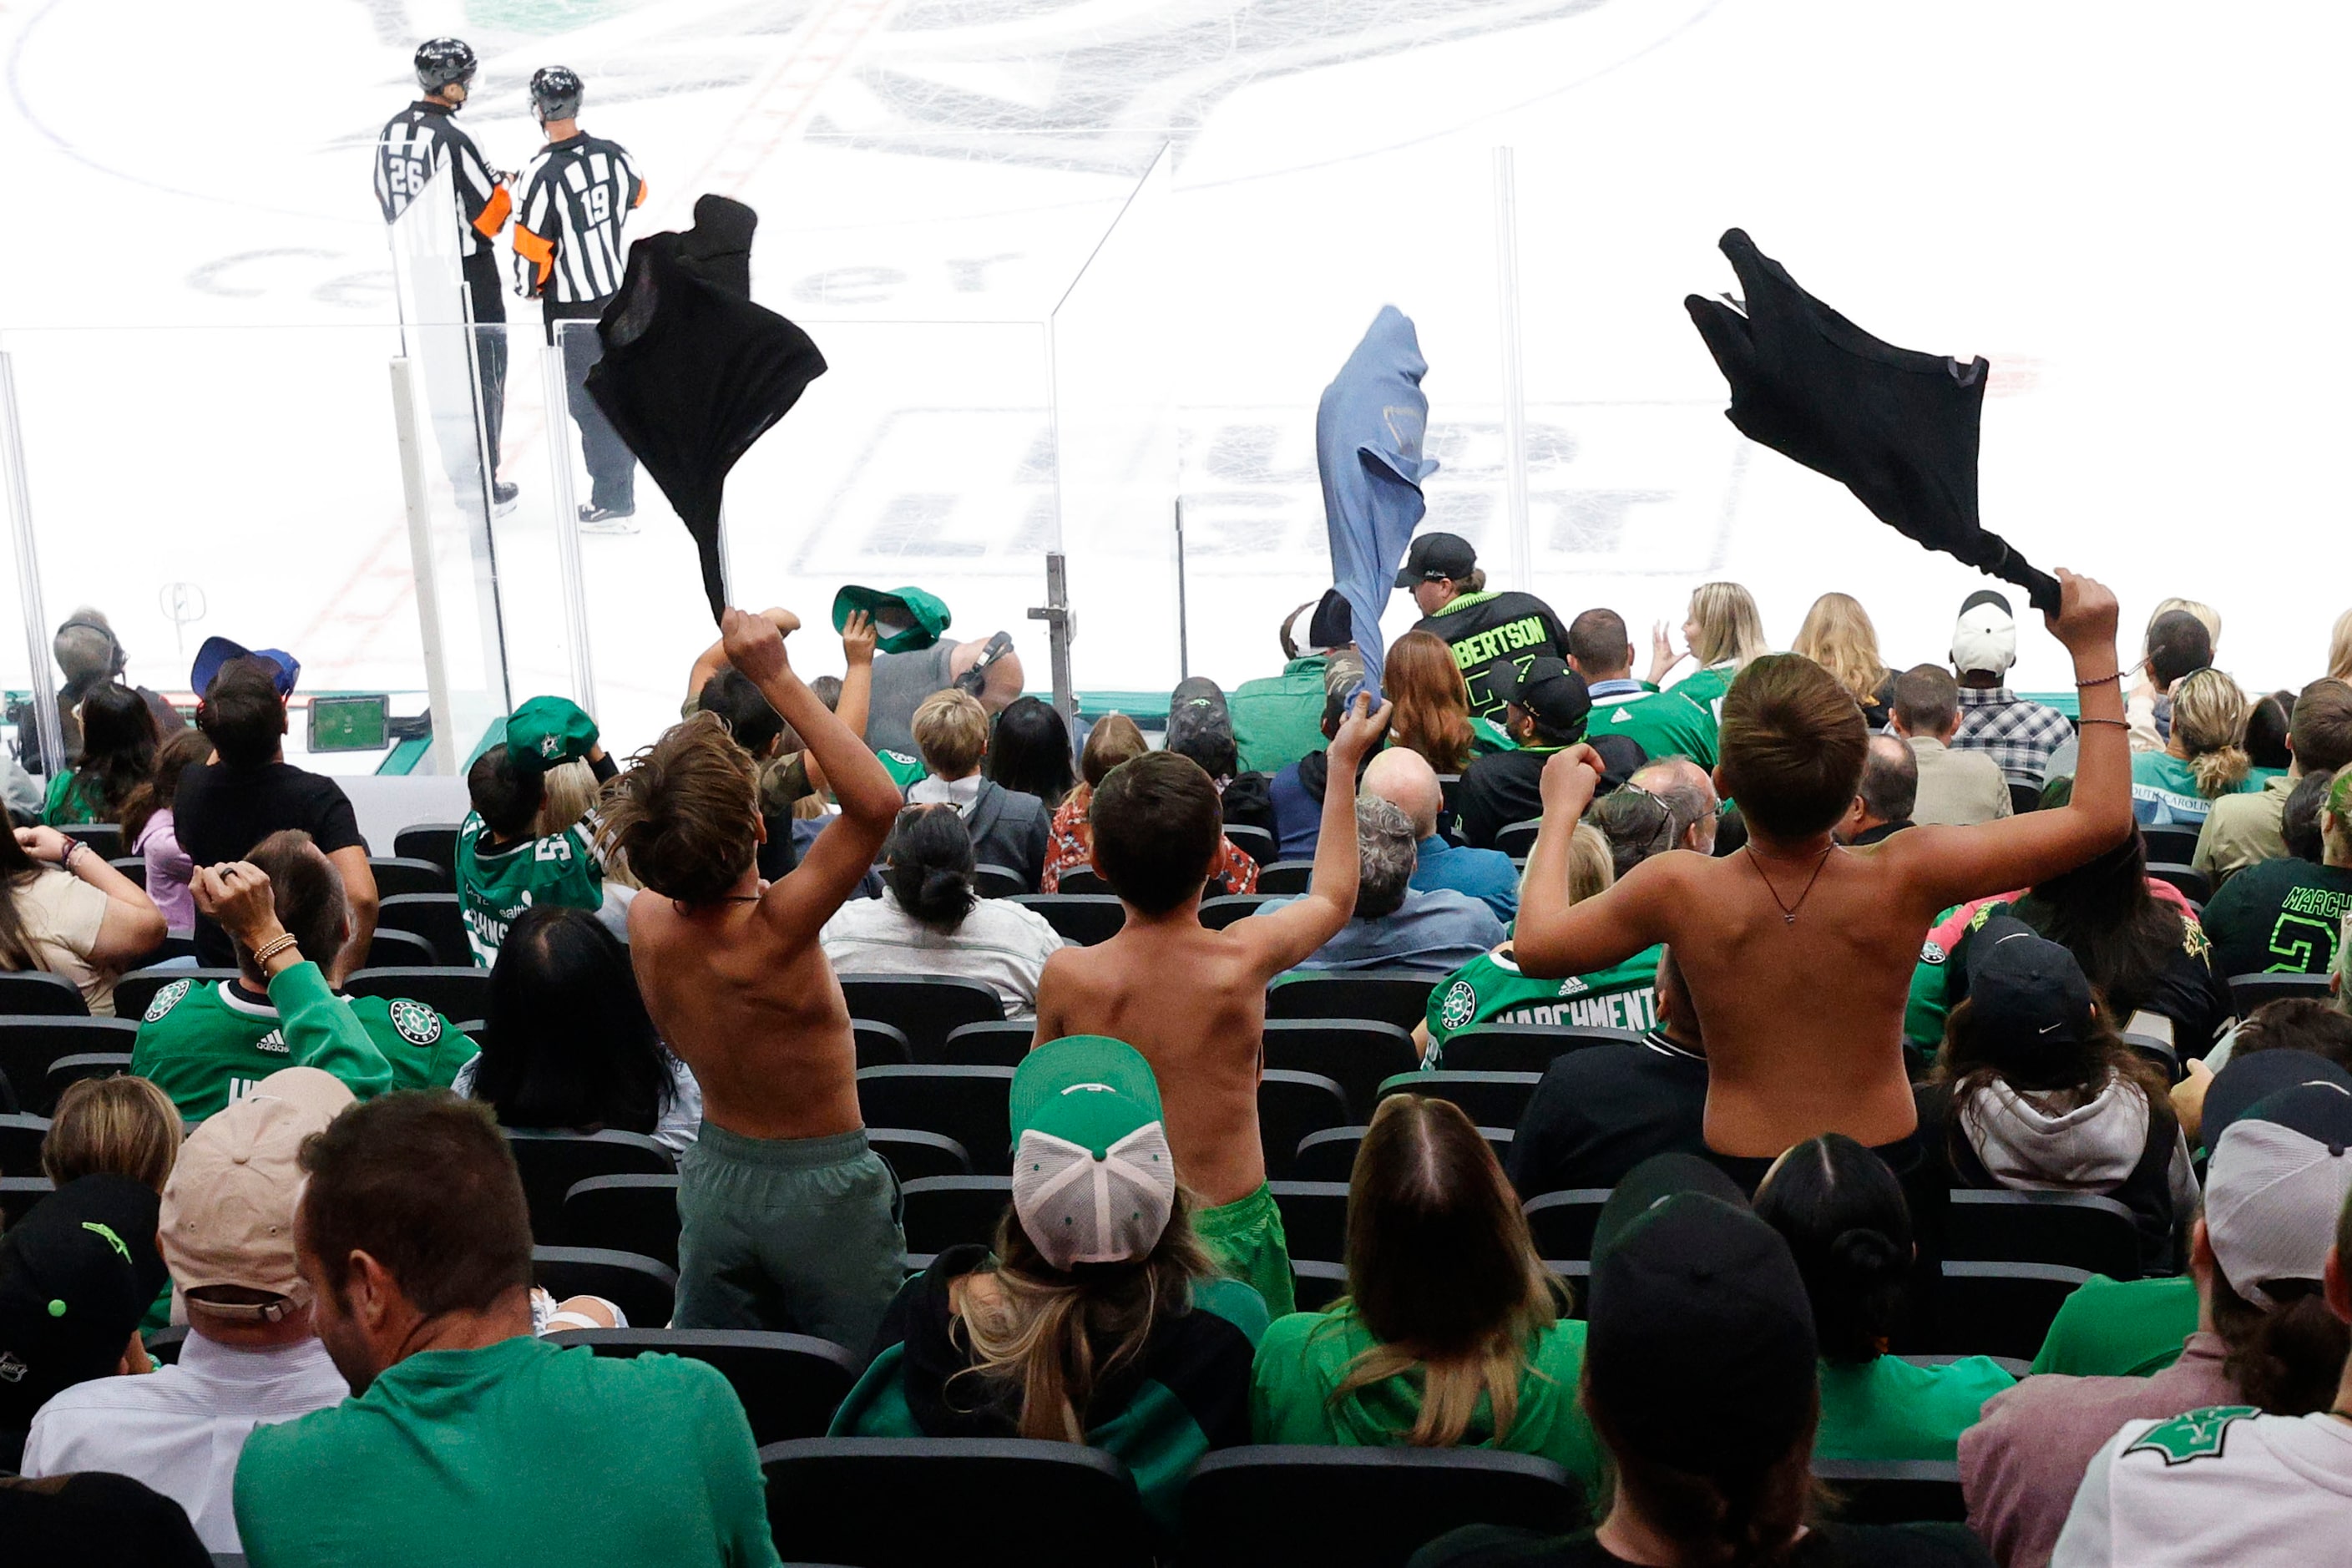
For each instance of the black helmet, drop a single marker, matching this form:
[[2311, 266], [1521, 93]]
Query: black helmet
[[440, 61], [555, 92]]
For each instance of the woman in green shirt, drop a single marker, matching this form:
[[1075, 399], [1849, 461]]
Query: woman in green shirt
[[1450, 1334], [1843, 1213], [1723, 633], [2204, 760], [117, 755]]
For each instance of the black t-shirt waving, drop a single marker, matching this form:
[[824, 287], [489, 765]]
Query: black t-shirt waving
[[1824, 1546], [222, 812], [1484, 628]]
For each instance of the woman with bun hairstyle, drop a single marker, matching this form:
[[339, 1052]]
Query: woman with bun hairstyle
[[1843, 1213], [2204, 759], [931, 920]]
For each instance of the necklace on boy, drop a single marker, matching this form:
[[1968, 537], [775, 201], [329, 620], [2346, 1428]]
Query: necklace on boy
[[1788, 911]]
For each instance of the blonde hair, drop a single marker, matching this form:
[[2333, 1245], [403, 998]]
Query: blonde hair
[[2339, 648], [1837, 635], [1591, 869], [570, 795], [1729, 627], [121, 1126], [2206, 616], [2208, 720], [951, 730], [1115, 738]]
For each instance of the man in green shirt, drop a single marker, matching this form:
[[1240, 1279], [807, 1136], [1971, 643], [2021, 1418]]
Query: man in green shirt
[[205, 1043], [503, 868], [1663, 723], [1490, 989], [1279, 719], [465, 1439]]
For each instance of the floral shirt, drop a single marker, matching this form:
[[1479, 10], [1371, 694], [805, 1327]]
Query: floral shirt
[[1067, 848]]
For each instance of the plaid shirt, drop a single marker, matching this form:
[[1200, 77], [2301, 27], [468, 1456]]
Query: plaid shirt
[[2018, 734]]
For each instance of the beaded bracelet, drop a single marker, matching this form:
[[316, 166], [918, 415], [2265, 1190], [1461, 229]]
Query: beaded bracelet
[[270, 950], [2103, 680]]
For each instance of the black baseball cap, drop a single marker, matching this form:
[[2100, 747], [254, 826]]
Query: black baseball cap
[[1436, 557], [2026, 987], [1333, 625], [1700, 1341], [76, 1275], [2255, 1077], [1547, 689]]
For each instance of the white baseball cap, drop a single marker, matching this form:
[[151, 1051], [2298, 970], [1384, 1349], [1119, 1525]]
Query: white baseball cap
[[1985, 637], [2275, 1188]]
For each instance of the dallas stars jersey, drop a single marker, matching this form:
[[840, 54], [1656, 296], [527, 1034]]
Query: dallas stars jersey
[[2224, 1484], [207, 1044], [1490, 989], [495, 886], [422, 141], [1663, 723], [906, 771], [1483, 627]]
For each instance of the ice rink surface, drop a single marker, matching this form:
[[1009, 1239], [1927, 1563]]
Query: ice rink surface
[[1073, 259]]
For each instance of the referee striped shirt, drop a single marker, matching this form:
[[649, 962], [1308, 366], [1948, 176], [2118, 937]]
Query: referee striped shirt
[[418, 143], [575, 196]]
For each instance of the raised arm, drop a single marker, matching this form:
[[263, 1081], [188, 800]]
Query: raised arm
[[1555, 938], [1284, 938], [857, 640], [1948, 865], [131, 926], [838, 860], [713, 659]]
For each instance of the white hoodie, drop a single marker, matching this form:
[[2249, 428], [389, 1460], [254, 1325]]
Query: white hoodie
[[2069, 1141]]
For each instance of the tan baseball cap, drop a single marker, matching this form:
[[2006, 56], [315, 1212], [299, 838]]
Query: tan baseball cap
[[228, 1208]]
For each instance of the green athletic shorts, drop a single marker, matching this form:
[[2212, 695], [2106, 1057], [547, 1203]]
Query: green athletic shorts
[[797, 1234], [1245, 1239]]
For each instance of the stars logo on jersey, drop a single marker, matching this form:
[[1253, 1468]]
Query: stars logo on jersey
[[166, 999], [417, 1024], [1461, 1006], [2198, 1435], [2194, 938], [1931, 952]]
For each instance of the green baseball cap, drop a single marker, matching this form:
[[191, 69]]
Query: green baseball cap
[[551, 729], [1093, 1178], [1087, 1090], [907, 620]]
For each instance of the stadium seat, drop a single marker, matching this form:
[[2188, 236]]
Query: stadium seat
[[997, 882], [1314, 1286], [998, 1043], [1287, 877], [436, 917], [434, 841], [135, 991], [925, 1009], [2251, 991], [915, 1154], [1358, 1054], [1277, 1506], [940, 1212], [790, 1383], [1489, 1098], [103, 836], [28, 1047], [2025, 798], [1379, 995], [452, 992], [1254, 842], [1328, 1155], [1222, 910], [134, 866], [37, 994], [2078, 1230], [554, 1163], [1892, 1491], [967, 1104], [2172, 844], [1290, 1105], [1523, 1047], [2159, 1052], [644, 1288], [397, 874], [1314, 1219], [1083, 917], [20, 1143], [879, 1045], [176, 944], [72, 1069], [2190, 881], [1080, 879], [19, 1193], [916, 1502], [624, 1213], [390, 949], [1518, 840], [1562, 1223], [2001, 1309]]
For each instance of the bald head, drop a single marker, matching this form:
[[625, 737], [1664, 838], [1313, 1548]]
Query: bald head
[[1405, 779], [1688, 792]]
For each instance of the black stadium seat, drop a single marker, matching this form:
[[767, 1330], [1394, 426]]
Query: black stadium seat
[[134, 866], [1489, 1098], [1328, 1155], [914, 1154], [1254, 842], [2001, 1309], [20, 1143], [624, 1213], [554, 1163], [1081, 880], [37, 994], [28, 1047], [915, 1503], [135, 991], [1290, 1105], [105, 837], [1355, 1053], [1276, 1506], [388, 948], [790, 1383], [925, 1009], [68, 1070], [2077, 1230], [644, 1288], [452, 992], [1518, 840], [434, 841], [967, 1104], [879, 1045], [998, 881], [1314, 1219], [1524, 1047], [1314, 1286], [1892, 1491], [1562, 1223], [1289, 878], [1081, 917], [2191, 882], [2172, 844], [436, 917], [1219, 913], [2025, 798], [998, 1043], [2251, 991], [1382, 994], [941, 1212], [409, 874], [19, 1191]]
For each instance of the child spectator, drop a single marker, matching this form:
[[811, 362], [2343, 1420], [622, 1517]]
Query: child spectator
[[148, 828], [117, 755], [1070, 847], [1008, 828], [502, 868], [1030, 754], [123, 1125]]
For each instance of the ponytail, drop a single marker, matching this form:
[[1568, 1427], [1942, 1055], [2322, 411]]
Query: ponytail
[[2219, 772], [2286, 1361]]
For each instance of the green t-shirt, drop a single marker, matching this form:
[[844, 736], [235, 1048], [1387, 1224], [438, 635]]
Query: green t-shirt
[[495, 886], [518, 1452], [1278, 720], [1304, 1357], [1490, 989], [2120, 1327], [1890, 1409], [905, 772], [2164, 790], [68, 804], [205, 1044], [1663, 723]]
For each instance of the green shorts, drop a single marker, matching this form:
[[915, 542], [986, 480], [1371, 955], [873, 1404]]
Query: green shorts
[[1246, 1240]]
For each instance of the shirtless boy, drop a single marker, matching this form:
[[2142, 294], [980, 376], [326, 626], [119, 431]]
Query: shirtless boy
[[1797, 952], [788, 1219], [1193, 1000]]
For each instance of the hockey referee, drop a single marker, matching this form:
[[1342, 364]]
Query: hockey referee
[[421, 140], [567, 242]]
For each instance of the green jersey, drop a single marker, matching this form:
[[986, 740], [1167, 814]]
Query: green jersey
[[1704, 690], [2120, 1327], [1490, 989], [495, 886], [1663, 723], [205, 1044], [906, 771]]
